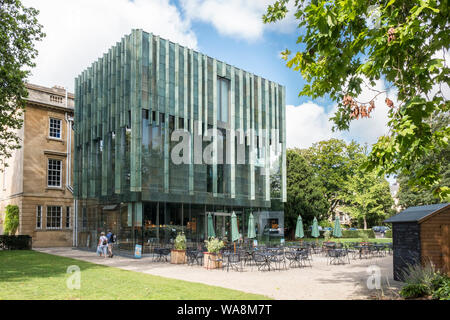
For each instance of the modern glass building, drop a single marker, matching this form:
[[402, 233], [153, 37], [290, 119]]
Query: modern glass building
[[165, 135]]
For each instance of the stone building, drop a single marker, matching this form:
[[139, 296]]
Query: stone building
[[134, 104], [39, 176]]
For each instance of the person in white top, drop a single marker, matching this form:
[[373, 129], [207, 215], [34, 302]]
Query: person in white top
[[103, 244]]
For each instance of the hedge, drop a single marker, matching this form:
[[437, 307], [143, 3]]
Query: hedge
[[15, 242], [388, 234], [356, 233]]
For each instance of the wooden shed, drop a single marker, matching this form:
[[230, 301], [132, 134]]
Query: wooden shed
[[421, 235]]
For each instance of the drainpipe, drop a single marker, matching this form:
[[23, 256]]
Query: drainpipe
[[75, 223], [69, 120]]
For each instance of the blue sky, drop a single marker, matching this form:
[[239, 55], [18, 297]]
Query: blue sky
[[261, 57], [78, 32]]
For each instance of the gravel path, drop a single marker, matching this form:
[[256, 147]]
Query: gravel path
[[321, 281]]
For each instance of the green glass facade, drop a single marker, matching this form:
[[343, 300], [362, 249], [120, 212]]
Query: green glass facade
[[129, 104]]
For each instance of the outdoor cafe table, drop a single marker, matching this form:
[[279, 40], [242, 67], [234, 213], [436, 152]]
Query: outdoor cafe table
[[267, 255], [379, 247], [361, 249]]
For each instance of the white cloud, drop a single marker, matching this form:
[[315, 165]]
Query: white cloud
[[309, 123], [79, 32], [236, 18], [306, 124]]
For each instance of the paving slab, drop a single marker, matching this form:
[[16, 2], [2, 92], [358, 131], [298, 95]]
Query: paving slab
[[319, 282]]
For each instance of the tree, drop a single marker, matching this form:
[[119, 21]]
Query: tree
[[19, 29], [11, 220], [410, 195], [347, 45], [304, 192], [367, 198], [333, 162]]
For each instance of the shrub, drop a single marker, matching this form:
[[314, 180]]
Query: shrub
[[180, 242], [414, 290], [423, 281], [388, 234], [214, 245], [327, 235], [11, 220], [363, 236], [358, 234], [15, 242], [325, 224], [443, 291]]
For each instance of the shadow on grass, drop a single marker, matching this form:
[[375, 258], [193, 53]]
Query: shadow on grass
[[20, 265]]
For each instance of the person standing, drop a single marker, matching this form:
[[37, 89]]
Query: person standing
[[110, 237], [103, 244]]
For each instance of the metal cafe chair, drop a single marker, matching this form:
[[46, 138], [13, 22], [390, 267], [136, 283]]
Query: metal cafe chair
[[261, 261], [293, 257], [277, 258], [191, 256], [234, 261], [337, 256], [304, 257]]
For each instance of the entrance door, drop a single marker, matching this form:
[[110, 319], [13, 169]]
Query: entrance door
[[222, 227], [446, 247]]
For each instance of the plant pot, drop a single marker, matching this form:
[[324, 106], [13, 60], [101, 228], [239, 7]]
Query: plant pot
[[178, 256], [210, 263]]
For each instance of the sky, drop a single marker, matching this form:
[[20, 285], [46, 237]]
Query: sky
[[79, 32]]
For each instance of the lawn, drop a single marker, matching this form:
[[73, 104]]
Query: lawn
[[29, 275]]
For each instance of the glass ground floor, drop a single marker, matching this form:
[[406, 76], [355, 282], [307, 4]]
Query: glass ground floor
[[158, 223]]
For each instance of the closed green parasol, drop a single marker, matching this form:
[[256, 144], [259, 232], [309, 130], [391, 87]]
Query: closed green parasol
[[211, 232], [299, 228], [251, 227], [315, 229], [337, 232], [234, 228]]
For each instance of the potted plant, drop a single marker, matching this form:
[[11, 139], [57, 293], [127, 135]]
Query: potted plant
[[213, 258], [178, 253]]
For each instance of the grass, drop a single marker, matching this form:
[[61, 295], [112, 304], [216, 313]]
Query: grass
[[31, 275]]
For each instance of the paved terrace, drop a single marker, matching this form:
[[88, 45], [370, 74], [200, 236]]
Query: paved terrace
[[321, 281]]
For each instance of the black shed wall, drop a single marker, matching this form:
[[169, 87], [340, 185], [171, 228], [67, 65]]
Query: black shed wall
[[406, 245]]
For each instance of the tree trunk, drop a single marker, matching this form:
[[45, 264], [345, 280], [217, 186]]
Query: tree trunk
[[365, 223]]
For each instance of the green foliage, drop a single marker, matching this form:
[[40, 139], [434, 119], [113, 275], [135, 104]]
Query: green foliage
[[304, 191], [388, 234], [358, 234], [19, 30], [424, 281], [366, 196], [328, 176], [410, 195], [327, 235], [364, 236], [11, 220], [325, 224], [333, 161], [414, 290], [442, 291], [214, 245], [348, 45], [21, 242], [180, 242]]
